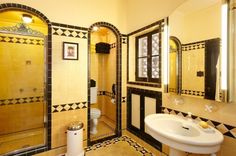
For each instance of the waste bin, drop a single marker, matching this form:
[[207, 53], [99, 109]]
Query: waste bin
[[75, 139]]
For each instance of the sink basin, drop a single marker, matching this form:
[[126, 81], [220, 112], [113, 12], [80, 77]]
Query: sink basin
[[183, 135]]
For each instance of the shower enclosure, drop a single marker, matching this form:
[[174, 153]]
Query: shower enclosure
[[22, 86]]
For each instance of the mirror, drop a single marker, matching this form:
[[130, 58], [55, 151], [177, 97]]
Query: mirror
[[194, 64]]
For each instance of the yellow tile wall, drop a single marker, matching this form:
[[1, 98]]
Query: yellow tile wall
[[69, 85]]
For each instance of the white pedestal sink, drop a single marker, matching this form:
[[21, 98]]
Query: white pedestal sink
[[182, 135]]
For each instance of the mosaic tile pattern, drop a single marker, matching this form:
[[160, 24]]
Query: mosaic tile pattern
[[123, 99], [192, 92], [21, 40], [193, 46], [23, 100], [69, 106], [109, 94], [63, 31], [124, 40], [225, 129], [127, 139]]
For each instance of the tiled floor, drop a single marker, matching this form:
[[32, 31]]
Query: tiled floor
[[104, 130], [127, 145]]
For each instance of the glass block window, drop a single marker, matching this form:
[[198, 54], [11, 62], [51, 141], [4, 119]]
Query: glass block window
[[148, 50]]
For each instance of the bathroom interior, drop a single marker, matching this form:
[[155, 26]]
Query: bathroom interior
[[177, 60], [103, 76]]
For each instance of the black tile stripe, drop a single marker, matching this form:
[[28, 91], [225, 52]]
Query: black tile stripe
[[69, 107], [158, 85], [215, 123], [132, 143], [65, 31], [21, 40], [24, 100]]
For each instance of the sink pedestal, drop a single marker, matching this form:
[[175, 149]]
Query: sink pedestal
[[175, 152]]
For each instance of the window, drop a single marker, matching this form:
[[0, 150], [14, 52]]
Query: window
[[148, 57]]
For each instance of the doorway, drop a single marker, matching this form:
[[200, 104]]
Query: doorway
[[104, 79]]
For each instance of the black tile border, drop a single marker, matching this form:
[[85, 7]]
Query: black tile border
[[124, 138], [69, 106], [22, 40], [161, 25], [21, 100], [118, 77], [48, 96], [158, 85], [68, 32], [215, 124]]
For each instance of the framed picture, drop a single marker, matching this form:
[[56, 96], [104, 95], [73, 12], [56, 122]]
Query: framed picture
[[70, 51]]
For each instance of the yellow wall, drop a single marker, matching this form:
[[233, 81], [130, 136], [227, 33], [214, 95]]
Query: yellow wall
[[69, 85], [80, 12], [172, 67], [145, 12], [21, 80], [195, 26]]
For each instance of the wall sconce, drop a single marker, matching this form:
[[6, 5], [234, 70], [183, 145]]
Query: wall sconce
[[224, 50], [27, 18], [166, 54]]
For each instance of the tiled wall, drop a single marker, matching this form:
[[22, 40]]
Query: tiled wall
[[222, 116], [69, 88]]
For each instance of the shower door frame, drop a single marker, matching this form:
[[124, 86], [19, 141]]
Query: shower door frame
[[118, 80], [47, 77]]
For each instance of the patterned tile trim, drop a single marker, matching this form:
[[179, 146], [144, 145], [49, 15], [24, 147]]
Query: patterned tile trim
[[106, 93], [127, 139], [158, 85], [112, 45], [21, 40], [192, 92], [69, 107], [193, 46], [123, 99], [24, 100], [225, 129], [69, 31], [109, 94], [124, 40]]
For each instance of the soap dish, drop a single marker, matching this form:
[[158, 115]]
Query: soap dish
[[207, 130]]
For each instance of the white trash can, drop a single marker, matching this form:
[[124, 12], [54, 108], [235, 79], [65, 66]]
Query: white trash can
[[75, 139]]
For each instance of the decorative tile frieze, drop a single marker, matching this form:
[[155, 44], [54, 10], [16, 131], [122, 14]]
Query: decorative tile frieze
[[225, 129], [193, 46], [69, 107], [124, 40], [192, 92], [22, 100], [126, 139], [123, 99], [69, 31], [21, 40]]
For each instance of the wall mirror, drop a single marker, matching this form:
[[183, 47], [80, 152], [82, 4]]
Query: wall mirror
[[194, 55]]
